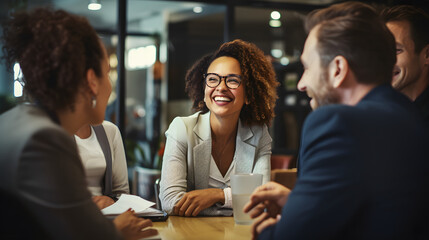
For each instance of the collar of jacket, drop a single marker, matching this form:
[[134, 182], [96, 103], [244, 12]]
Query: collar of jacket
[[244, 150]]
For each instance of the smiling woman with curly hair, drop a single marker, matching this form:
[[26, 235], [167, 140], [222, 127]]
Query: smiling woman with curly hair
[[260, 86], [233, 92]]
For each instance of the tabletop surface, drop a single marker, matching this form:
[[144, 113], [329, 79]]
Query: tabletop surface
[[201, 228]]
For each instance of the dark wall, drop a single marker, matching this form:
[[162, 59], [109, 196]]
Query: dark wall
[[188, 41]]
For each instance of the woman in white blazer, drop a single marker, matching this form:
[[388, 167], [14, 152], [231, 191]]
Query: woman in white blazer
[[233, 92]]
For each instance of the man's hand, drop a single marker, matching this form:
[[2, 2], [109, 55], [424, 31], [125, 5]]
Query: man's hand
[[261, 222], [265, 206], [194, 202], [102, 201], [132, 227]]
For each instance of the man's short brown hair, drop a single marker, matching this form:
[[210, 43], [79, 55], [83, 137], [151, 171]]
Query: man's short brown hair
[[418, 19], [355, 31]]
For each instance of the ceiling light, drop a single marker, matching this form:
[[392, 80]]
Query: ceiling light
[[275, 15], [94, 5], [275, 23], [198, 9]]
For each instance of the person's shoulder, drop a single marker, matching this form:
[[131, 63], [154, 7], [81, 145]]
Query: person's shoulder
[[188, 120], [194, 117], [259, 132], [30, 127], [331, 111], [256, 129], [334, 117], [259, 127], [112, 131], [109, 126], [26, 119], [181, 127], [384, 100]]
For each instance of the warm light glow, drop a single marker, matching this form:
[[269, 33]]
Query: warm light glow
[[17, 76], [141, 57], [17, 71], [277, 53], [113, 75], [198, 9], [290, 100], [284, 61], [113, 60], [17, 89], [94, 6], [275, 23], [275, 15], [139, 111]]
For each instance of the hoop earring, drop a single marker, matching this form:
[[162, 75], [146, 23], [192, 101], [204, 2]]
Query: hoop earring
[[94, 102]]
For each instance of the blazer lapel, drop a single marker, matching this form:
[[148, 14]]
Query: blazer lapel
[[202, 151], [245, 151]]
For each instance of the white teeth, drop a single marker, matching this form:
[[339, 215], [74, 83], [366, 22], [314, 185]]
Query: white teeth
[[222, 99]]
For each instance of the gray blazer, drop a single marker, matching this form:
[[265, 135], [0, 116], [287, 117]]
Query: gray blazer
[[187, 155], [41, 170]]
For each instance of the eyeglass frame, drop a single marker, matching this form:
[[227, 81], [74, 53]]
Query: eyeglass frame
[[224, 77]]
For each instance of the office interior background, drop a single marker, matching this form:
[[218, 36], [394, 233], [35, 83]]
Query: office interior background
[[152, 43]]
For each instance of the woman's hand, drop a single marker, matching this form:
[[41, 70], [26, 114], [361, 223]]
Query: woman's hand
[[102, 201], [194, 202], [132, 227]]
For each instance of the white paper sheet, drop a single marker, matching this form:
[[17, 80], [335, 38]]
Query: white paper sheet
[[126, 202]]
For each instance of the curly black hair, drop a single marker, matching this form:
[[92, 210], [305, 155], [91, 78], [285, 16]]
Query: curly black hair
[[55, 49], [260, 81]]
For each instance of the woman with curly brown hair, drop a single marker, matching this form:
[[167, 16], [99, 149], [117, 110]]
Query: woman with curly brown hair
[[233, 92], [43, 190]]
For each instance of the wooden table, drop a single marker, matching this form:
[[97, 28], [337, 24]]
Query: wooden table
[[201, 228]]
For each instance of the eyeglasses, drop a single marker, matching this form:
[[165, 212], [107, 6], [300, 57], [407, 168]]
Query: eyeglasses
[[213, 80]]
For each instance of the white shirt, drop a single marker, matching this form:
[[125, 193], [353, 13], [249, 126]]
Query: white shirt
[[93, 161], [216, 180]]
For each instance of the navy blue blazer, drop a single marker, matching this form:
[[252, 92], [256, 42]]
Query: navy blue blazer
[[364, 173]]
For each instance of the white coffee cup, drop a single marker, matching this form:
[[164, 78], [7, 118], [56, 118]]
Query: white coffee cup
[[242, 186]]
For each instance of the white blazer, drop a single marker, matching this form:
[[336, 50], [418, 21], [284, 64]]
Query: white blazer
[[187, 156]]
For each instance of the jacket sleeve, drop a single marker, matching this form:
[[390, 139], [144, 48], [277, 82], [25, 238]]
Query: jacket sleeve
[[174, 167], [328, 180], [119, 162], [51, 181], [263, 155]]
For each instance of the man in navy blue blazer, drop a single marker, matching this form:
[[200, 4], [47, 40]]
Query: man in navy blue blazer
[[363, 162]]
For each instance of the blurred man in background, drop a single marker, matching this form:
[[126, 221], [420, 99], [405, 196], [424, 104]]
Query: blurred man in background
[[409, 26]]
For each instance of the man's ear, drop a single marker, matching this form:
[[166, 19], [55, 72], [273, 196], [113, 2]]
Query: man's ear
[[337, 70], [93, 82], [426, 54]]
